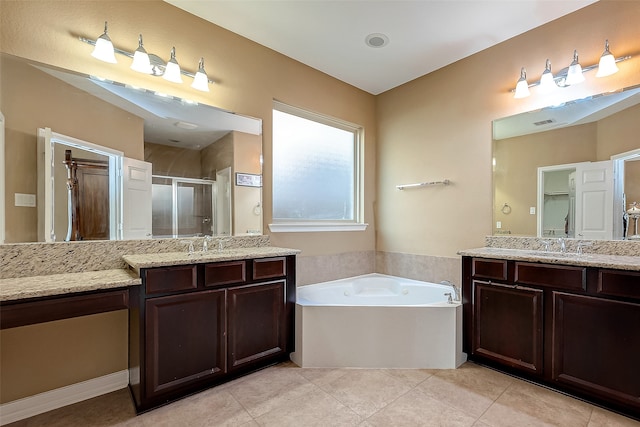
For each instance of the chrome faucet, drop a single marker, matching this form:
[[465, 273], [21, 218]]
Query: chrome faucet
[[582, 245], [456, 290], [563, 245], [205, 243], [546, 244]]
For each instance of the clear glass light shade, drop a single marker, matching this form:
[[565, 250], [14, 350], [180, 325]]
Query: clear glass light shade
[[547, 82], [104, 48], [607, 65], [141, 62], [172, 71], [522, 87], [201, 81], [574, 74]]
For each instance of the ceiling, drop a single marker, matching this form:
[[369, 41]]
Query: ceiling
[[423, 35]]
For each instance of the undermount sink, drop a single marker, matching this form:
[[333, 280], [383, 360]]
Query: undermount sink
[[555, 254]]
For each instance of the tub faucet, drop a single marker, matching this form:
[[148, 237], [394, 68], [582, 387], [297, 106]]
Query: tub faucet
[[456, 290]]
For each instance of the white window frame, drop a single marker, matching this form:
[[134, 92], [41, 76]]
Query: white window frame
[[279, 225]]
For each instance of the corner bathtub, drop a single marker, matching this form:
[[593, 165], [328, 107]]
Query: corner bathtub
[[377, 321]]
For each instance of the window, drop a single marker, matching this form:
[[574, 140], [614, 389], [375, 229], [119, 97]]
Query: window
[[316, 172]]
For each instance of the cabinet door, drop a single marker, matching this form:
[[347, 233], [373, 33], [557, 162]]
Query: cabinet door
[[257, 323], [508, 325], [596, 346], [184, 340]]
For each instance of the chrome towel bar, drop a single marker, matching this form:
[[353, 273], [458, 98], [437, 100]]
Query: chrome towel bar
[[423, 184]]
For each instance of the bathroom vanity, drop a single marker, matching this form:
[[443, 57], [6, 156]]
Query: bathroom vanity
[[203, 319], [196, 319], [566, 321]]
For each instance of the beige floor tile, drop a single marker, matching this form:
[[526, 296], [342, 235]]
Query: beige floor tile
[[211, 407], [524, 404], [323, 376], [412, 377], [315, 408], [603, 418], [470, 388], [268, 389], [417, 409], [366, 391]]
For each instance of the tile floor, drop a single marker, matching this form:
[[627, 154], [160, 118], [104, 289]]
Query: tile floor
[[286, 395]]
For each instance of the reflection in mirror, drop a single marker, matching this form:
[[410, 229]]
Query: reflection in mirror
[[197, 148], [601, 128]]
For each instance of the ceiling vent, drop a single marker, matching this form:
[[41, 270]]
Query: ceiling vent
[[544, 122]]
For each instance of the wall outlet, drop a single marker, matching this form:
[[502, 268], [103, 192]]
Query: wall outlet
[[27, 200], [498, 224], [532, 210]]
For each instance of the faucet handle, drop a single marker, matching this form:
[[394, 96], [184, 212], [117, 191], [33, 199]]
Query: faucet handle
[[582, 245], [546, 245], [449, 299]]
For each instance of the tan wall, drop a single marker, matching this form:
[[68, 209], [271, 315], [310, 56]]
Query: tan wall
[[439, 126], [516, 172], [247, 203], [173, 161]]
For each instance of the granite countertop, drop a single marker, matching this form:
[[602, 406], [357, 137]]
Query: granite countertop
[[67, 283], [139, 261], [619, 262]]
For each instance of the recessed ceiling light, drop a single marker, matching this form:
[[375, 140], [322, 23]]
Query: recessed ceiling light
[[376, 40]]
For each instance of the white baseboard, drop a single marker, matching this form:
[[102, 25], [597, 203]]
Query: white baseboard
[[54, 399]]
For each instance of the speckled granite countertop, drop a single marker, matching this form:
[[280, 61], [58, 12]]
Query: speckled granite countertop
[[67, 283], [619, 262], [176, 258]]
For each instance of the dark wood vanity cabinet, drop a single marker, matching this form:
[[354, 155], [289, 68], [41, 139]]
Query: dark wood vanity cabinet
[[195, 326], [576, 329]]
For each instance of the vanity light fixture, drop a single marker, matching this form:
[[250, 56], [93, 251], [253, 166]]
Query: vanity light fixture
[[149, 63], [141, 62], [104, 50], [547, 83], [574, 74], [201, 81], [172, 71], [522, 87], [607, 64], [571, 75]]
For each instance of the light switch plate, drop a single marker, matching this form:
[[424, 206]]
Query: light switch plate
[[498, 224], [26, 200], [532, 210]]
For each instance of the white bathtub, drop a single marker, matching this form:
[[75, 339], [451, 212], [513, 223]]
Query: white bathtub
[[377, 321]]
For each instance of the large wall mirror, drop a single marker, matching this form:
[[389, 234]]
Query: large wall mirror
[[206, 163], [569, 170]]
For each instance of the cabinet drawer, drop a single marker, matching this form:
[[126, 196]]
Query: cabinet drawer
[[553, 276], [160, 280], [225, 273], [489, 268], [268, 268], [619, 283]]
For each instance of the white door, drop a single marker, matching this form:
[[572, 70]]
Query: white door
[[136, 199], [594, 200]]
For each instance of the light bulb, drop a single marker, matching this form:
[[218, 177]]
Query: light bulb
[[522, 87], [141, 62], [200, 80], [574, 74], [607, 65], [172, 72], [104, 48]]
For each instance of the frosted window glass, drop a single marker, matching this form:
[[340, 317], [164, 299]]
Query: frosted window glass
[[313, 170]]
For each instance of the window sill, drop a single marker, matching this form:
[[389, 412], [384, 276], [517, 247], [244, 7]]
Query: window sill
[[293, 227]]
